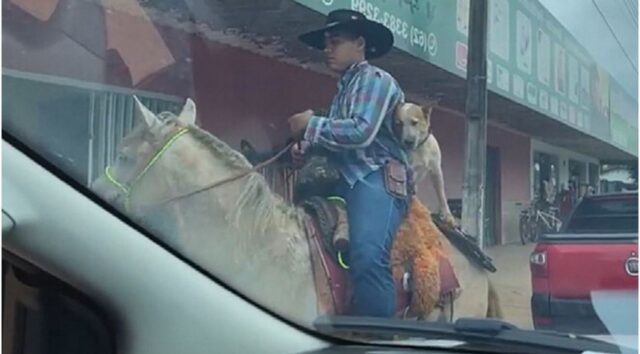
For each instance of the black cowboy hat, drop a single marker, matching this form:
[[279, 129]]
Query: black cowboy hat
[[379, 39]]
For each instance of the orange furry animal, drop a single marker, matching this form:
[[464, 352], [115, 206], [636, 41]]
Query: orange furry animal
[[417, 248]]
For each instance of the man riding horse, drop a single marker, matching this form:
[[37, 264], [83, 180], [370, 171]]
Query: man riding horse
[[357, 135]]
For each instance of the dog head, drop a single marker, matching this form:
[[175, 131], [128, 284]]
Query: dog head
[[412, 123]]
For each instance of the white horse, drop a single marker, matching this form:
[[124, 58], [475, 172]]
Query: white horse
[[241, 231]]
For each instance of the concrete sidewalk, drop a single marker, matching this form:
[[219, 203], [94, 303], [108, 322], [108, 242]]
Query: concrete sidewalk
[[513, 282]]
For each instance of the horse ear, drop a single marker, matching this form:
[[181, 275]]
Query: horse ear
[[143, 114], [188, 114], [246, 148]]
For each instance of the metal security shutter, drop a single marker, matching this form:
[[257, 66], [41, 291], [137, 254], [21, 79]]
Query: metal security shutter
[[111, 118]]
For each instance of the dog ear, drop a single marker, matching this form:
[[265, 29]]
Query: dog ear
[[433, 100], [426, 110]]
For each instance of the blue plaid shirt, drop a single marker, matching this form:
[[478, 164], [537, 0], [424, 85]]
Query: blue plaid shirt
[[359, 128]]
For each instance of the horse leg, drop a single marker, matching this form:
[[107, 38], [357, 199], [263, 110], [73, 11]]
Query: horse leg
[[493, 303]]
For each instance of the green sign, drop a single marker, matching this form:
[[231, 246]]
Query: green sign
[[418, 25], [532, 59], [624, 134], [624, 128]]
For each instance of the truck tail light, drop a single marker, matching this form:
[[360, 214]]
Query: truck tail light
[[538, 263], [542, 322]]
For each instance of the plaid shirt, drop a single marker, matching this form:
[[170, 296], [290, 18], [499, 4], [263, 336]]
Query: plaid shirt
[[359, 128]]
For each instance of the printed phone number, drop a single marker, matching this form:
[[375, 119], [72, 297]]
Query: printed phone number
[[415, 36]]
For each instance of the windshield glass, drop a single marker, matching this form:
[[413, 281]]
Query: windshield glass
[[316, 155], [605, 216]]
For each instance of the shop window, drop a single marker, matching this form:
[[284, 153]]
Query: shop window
[[594, 177], [545, 177], [57, 116], [578, 183]]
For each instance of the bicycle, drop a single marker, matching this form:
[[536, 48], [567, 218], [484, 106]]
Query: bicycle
[[535, 222]]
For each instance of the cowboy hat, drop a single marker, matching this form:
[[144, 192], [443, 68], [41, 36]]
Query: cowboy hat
[[378, 38]]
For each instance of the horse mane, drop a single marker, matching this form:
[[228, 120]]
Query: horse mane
[[232, 157], [256, 202]]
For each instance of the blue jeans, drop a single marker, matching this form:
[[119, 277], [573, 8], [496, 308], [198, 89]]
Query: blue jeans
[[374, 218]]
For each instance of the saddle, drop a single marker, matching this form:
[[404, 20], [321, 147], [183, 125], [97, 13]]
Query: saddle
[[424, 278], [466, 243], [330, 217], [317, 177]]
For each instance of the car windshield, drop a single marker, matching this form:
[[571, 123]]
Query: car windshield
[[330, 157]]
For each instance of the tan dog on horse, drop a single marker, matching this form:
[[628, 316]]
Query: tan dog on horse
[[413, 128]]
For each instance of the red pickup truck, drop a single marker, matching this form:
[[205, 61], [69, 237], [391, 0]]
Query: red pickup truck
[[596, 250]]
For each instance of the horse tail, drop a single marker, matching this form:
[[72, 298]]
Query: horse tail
[[493, 307]]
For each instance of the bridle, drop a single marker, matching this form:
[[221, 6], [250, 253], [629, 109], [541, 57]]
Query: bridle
[[127, 188]]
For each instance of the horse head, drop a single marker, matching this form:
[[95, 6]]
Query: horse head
[[139, 150]]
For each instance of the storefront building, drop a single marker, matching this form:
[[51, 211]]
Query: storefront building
[[70, 68]]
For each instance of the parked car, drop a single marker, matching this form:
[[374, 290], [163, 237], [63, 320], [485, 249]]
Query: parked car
[[595, 253]]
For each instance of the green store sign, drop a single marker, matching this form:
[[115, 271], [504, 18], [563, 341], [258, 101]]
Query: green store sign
[[624, 131], [532, 59]]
